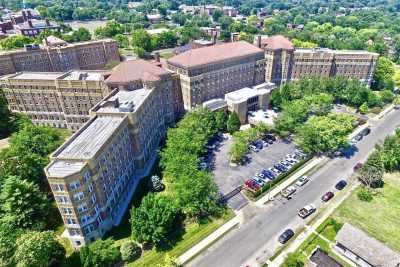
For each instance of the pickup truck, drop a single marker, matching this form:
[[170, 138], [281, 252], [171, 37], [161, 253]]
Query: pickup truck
[[307, 211], [286, 193]]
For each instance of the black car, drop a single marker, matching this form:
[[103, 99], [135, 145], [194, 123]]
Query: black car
[[341, 184], [365, 131], [270, 137], [285, 236]]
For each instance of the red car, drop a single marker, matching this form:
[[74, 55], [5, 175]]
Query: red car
[[327, 196], [252, 185], [357, 166]]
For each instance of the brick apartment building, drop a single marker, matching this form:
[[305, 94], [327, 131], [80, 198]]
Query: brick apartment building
[[55, 99], [94, 174], [211, 72], [78, 56], [285, 63]]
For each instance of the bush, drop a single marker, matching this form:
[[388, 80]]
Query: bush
[[100, 253], [364, 195], [293, 260], [130, 251], [364, 108]]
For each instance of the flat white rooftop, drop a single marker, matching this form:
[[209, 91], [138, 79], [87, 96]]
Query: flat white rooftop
[[136, 97], [63, 168], [83, 75], [34, 75], [85, 144], [245, 93]]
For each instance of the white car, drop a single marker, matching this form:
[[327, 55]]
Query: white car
[[302, 181]]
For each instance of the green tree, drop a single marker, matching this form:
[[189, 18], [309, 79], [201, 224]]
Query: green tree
[[217, 14], [5, 118], [372, 171], [325, 133], [383, 75], [8, 238], [23, 204], [233, 123], [38, 249], [364, 108], [15, 42], [140, 38], [153, 219], [130, 251], [81, 35], [140, 52], [100, 253], [221, 118], [111, 29], [123, 40], [293, 260], [169, 261]]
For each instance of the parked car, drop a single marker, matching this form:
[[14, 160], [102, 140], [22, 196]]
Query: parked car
[[307, 211], [252, 185], [341, 184], [254, 148], [285, 236], [269, 141], [358, 137], [203, 166], [270, 137], [274, 170], [327, 196], [365, 131], [286, 193], [302, 181], [357, 166], [280, 167]]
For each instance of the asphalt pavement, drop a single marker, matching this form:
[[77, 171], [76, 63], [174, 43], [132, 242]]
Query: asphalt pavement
[[255, 240]]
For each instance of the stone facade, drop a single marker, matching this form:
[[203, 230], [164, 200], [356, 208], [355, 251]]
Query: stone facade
[[211, 72], [54, 99], [94, 174], [80, 56], [285, 63]]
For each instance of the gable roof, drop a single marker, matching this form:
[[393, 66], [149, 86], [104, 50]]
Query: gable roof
[[366, 247], [135, 70], [214, 54], [277, 42]]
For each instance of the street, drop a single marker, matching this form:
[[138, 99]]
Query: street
[[255, 240]]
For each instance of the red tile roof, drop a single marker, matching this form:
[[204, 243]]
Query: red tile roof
[[214, 54], [135, 70], [277, 42]]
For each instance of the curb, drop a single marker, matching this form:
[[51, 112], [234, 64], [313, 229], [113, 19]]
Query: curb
[[209, 240]]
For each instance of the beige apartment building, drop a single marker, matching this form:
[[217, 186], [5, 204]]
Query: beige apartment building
[[55, 99], [94, 174], [285, 63], [211, 72], [81, 56]]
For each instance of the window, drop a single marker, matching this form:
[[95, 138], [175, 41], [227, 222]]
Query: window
[[58, 187], [82, 207], [93, 199], [90, 188], [70, 220], [78, 196], [74, 185], [62, 199], [86, 177], [67, 211]]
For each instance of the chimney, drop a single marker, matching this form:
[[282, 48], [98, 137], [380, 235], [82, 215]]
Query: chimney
[[47, 22], [30, 23], [259, 41], [29, 14], [157, 56], [24, 15]]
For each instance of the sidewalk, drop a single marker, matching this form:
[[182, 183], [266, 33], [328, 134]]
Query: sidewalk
[[203, 244], [310, 229], [292, 178]]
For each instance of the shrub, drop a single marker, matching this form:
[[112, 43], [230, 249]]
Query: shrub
[[130, 251], [233, 123], [293, 260], [364, 108], [364, 195]]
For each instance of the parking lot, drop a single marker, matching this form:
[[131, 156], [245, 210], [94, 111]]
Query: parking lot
[[230, 177]]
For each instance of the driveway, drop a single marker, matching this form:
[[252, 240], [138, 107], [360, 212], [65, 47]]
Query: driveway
[[228, 177], [255, 240]]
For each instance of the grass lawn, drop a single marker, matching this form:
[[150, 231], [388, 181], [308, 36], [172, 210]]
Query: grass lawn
[[186, 237], [380, 217]]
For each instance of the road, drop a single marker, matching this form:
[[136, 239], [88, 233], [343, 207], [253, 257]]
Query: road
[[255, 240]]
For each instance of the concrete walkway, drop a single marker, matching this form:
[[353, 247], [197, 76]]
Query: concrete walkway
[[290, 180], [203, 244]]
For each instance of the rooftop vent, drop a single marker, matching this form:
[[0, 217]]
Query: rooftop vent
[[127, 106]]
